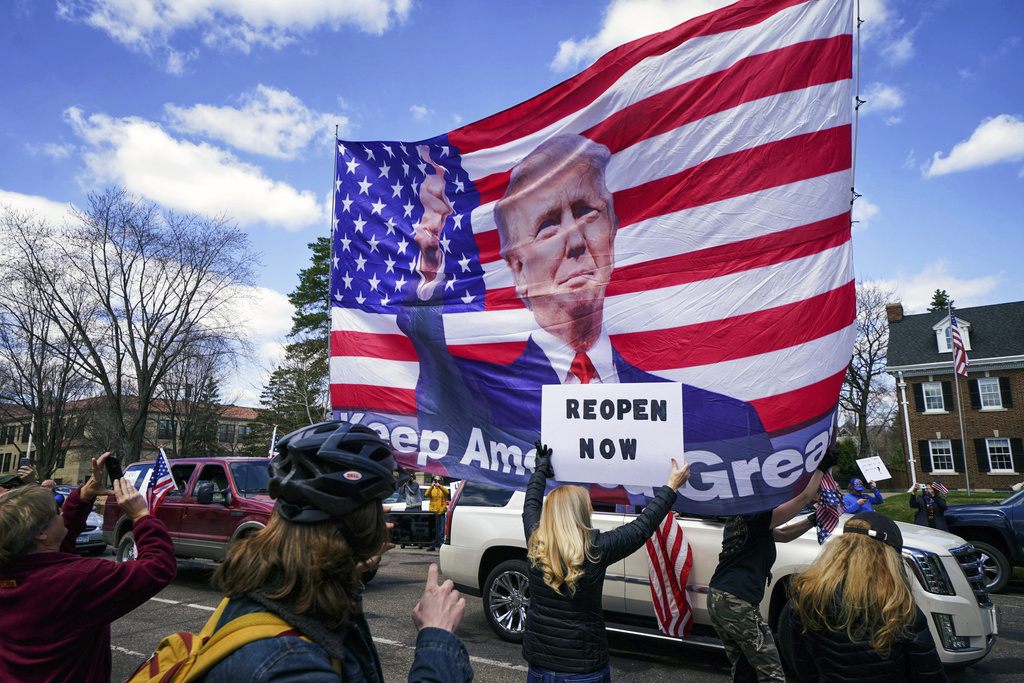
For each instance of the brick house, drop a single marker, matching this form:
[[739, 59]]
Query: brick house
[[991, 397]]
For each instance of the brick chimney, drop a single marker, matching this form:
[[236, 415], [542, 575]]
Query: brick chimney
[[894, 312]]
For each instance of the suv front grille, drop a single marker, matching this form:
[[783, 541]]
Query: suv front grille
[[970, 562]]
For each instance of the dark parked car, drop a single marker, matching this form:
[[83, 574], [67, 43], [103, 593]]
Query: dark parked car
[[91, 540], [996, 530]]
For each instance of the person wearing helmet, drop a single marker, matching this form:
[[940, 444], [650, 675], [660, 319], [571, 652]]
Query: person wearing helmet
[[329, 480]]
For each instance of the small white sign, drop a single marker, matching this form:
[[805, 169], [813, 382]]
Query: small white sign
[[873, 469], [613, 434]]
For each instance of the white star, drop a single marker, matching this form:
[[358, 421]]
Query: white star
[[364, 187], [369, 154], [373, 244], [408, 210], [346, 202], [384, 170], [377, 206], [415, 187], [360, 299], [422, 167], [458, 221], [405, 169], [399, 283], [445, 243], [374, 281], [390, 263], [344, 243], [384, 300], [391, 226], [336, 260], [468, 299], [351, 166], [341, 149], [396, 190], [464, 262], [458, 185], [402, 244], [450, 284], [360, 263], [444, 151], [337, 295], [348, 281], [387, 149], [359, 222], [335, 227], [337, 186]]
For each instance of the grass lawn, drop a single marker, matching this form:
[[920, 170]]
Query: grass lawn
[[898, 506]]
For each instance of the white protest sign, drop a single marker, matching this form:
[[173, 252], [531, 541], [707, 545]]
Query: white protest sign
[[613, 433], [873, 469]]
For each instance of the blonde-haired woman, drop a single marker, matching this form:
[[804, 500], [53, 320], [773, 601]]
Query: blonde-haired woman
[[565, 638], [853, 616]]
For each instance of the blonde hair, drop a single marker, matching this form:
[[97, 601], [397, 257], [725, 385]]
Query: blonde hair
[[309, 568], [561, 543], [858, 585], [24, 512]]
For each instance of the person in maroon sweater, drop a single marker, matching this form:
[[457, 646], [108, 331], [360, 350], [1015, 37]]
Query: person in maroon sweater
[[66, 636]]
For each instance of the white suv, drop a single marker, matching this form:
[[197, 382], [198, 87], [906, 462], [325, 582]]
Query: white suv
[[484, 554]]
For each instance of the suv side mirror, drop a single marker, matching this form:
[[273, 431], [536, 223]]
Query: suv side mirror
[[206, 494]]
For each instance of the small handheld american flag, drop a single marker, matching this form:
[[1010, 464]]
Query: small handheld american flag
[[939, 487], [161, 482], [830, 507], [669, 562], [273, 444]]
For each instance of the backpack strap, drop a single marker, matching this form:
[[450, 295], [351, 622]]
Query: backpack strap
[[218, 643]]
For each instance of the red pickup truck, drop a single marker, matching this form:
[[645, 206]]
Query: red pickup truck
[[214, 502]]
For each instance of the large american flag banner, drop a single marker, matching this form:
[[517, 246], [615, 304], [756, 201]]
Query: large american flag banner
[[669, 563], [723, 163], [959, 352], [160, 482]]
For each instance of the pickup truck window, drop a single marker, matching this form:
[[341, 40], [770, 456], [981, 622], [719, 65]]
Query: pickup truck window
[[251, 478], [181, 473]]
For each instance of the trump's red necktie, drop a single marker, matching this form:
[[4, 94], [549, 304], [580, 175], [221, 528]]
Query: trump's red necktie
[[583, 368]]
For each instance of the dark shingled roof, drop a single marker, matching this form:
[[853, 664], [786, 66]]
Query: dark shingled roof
[[996, 331]]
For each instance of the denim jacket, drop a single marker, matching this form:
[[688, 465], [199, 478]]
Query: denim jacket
[[440, 655]]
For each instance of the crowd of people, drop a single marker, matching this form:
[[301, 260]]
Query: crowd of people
[[853, 610]]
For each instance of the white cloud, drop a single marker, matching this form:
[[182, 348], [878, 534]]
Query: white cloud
[[916, 290], [419, 113], [140, 156], [149, 24], [43, 208], [881, 31], [52, 149], [267, 315], [625, 20], [900, 50], [881, 98], [1000, 139], [863, 212], [271, 122]]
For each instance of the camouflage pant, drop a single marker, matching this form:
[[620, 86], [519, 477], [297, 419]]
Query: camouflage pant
[[748, 640]]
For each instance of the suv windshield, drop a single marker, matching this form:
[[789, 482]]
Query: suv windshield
[[250, 478]]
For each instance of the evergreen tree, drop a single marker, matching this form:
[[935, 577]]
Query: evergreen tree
[[940, 302]]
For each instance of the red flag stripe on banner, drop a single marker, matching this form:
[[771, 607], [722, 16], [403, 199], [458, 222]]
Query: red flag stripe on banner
[[711, 209], [585, 88], [669, 563]]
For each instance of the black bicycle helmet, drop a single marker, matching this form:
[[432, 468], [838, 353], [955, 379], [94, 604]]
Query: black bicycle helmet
[[325, 471]]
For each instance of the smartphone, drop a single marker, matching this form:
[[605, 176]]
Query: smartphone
[[113, 468], [24, 462]]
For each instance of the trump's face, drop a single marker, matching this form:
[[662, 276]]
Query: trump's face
[[562, 256]]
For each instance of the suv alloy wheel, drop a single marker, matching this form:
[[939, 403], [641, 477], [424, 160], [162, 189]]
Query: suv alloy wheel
[[506, 597]]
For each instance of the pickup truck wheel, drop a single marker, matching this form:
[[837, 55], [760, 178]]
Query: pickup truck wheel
[[506, 598], [126, 548], [994, 565]]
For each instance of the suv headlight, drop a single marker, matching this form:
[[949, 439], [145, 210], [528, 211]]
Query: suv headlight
[[928, 569]]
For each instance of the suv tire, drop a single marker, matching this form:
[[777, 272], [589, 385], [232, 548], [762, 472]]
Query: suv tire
[[994, 565], [506, 597], [126, 548]]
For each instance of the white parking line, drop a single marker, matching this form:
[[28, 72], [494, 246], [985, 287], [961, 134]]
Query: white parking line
[[202, 607], [475, 660], [169, 602], [128, 652]]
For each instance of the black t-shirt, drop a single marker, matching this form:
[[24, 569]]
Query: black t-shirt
[[748, 553]]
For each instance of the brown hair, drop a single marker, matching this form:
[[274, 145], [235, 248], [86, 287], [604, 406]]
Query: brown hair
[[858, 585], [309, 568], [24, 512], [561, 542]]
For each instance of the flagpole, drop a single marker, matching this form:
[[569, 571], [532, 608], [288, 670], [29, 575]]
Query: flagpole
[[959, 403], [328, 415]]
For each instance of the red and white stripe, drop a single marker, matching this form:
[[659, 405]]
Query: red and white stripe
[[731, 144], [959, 352], [669, 563]]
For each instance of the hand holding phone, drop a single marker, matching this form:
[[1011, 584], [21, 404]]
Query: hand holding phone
[[24, 462], [113, 468]]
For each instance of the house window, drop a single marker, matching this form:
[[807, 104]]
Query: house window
[[942, 455], [932, 396], [999, 458], [165, 429], [25, 431], [988, 389], [243, 431], [227, 433]]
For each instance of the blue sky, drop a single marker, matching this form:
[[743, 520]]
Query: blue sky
[[225, 107]]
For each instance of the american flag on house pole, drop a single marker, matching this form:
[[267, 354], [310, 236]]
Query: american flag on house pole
[[960, 361], [730, 170], [161, 481]]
